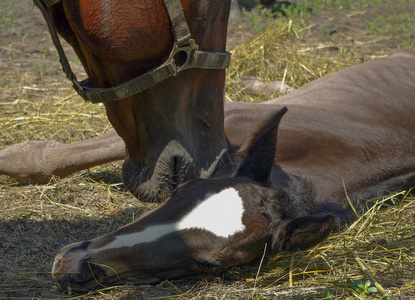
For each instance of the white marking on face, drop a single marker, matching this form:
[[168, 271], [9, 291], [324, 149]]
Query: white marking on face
[[220, 214]]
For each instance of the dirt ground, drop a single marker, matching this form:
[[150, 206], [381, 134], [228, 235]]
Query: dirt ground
[[38, 103]]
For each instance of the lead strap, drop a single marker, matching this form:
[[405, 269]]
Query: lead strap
[[43, 5]]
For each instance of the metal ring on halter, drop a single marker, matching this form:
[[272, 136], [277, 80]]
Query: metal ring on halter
[[195, 58], [189, 50]]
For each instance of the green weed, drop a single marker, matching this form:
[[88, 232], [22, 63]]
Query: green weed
[[8, 15], [365, 290], [259, 18], [42, 69], [337, 4]]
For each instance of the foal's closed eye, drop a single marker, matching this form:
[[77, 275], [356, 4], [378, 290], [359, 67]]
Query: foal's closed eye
[[210, 267]]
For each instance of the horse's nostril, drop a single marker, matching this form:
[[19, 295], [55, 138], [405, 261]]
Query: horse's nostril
[[181, 170], [162, 174], [175, 172]]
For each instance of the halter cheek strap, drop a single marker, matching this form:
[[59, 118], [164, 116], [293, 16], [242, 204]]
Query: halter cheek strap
[[183, 43]]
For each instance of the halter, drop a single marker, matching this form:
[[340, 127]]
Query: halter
[[183, 43]]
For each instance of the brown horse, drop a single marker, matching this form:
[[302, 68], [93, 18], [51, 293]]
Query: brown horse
[[351, 131], [173, 131], [349, 135]]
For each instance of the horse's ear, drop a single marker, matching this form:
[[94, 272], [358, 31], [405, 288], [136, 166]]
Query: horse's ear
[[258, 152], [301, 233]]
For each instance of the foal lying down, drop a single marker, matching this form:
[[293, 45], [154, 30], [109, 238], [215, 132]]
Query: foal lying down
[[207, 226], [352, 131]]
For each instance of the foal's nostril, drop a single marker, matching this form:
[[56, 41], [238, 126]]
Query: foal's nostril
[[89, 277], [56, 267], [62, 285], [67, 264]]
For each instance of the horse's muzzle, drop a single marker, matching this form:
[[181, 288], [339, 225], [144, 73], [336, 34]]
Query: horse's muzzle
[[157, 178]]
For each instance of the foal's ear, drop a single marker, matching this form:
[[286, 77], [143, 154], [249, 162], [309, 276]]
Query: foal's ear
[[259, 151], [301, 233]]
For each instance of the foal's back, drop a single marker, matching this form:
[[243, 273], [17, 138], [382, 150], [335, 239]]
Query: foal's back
[[353, 130]]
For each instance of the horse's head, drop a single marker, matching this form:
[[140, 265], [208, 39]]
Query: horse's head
[[206, 226], [173, 130]]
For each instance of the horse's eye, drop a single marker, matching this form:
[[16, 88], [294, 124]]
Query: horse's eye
[[210, 267]]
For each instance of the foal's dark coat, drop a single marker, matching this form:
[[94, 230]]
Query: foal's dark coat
[[268, 217], [348, 134], [352, 131]]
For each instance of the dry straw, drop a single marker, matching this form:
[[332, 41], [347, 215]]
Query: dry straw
[[278, 54], [375, 251]]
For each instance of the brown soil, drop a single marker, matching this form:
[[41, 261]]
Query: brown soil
[[37, 220]]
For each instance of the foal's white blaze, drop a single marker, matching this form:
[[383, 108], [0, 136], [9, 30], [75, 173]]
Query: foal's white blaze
[[220, 213]]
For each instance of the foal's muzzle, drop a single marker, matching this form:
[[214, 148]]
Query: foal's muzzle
[[89, 277]]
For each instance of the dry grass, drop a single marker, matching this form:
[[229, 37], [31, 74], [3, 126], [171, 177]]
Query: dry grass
[[283, 52], [58, 116], [36, 220], [378, 246]]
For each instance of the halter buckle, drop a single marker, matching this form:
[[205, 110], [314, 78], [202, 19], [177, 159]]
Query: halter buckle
[[188, 50]]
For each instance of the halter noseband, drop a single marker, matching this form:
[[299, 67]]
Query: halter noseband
[[183, 43]]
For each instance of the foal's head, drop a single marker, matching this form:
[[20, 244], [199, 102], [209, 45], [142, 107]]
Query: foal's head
[[173, 131], [206, 226]]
